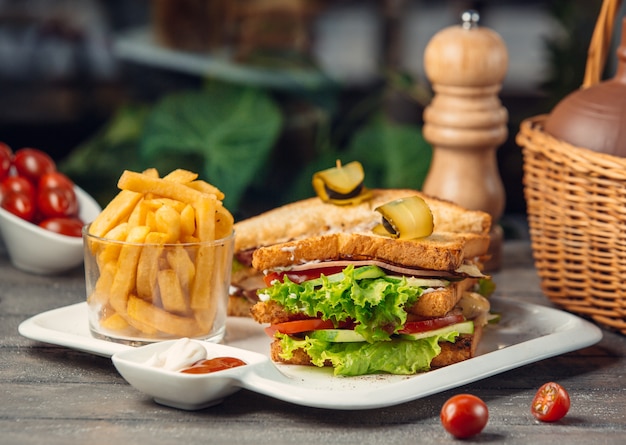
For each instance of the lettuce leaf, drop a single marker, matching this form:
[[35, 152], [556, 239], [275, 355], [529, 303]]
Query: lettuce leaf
[[375, 303], [227, 131], [397, 356]]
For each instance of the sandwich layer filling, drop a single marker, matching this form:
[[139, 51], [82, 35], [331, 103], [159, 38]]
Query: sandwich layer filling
[[364, 320]]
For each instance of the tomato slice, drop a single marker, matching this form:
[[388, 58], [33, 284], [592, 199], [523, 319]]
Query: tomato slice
[[270, 277], [550, 403], [297, 326], [300, 276], [411, 327]]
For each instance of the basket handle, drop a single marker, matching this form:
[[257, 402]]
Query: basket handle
[[600, 42]]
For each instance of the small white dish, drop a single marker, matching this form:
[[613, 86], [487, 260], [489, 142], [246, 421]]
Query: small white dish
[[40, 251], [181, 390]]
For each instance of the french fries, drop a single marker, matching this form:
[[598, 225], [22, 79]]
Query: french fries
[[162, 251], [117, 211]]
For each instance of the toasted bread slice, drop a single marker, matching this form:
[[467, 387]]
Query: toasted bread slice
[[441, 251], [312, 217], [439, 302]]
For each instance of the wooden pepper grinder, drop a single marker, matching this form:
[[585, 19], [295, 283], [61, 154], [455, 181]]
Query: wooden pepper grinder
[[466, 122]]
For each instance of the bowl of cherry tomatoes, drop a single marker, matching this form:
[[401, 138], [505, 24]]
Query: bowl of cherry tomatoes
[[42, 212]]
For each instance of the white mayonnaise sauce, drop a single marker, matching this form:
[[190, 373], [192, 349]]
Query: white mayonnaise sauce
[[182, 354]]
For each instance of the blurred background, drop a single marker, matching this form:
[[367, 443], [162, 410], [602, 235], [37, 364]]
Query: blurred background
[[255, 95]]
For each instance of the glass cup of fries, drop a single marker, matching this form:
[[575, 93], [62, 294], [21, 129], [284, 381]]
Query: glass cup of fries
[[139, 293], [158, 260]]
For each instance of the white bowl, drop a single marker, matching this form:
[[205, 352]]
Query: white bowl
[[40, 251], [187, 391]]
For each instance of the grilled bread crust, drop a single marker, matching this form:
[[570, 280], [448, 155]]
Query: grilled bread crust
[[312, 217], [442, 251], [439, 302]]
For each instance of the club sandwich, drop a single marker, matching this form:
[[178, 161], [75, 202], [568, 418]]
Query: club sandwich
[[334, 290]]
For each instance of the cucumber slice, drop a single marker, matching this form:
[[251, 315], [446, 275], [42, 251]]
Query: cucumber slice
[[420, 282], [350, 336], [337, 335], [465, 327], [365, 272], [360, 273]]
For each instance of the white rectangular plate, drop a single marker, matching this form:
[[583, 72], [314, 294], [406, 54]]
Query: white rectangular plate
[[526, 333]]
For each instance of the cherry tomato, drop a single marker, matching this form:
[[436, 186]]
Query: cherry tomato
[[55, 179], [64, 226], [57, 202], [551, 403], [20, 204], [411, 327], [17, 184], [6, 158], [464, 415], [32, 163]]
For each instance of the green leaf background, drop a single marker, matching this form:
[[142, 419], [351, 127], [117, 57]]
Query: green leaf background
[[232, 130], [224, 132], [230, 135]]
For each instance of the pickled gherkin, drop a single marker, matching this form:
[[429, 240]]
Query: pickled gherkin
[[342, 184], [405, 218]]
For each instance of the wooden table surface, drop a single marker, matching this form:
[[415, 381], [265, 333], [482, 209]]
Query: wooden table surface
[[52, 394]]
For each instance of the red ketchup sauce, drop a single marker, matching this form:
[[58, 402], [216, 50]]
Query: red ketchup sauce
[[213, 365]]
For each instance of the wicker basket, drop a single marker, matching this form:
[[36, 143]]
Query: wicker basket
[[576, 204]]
